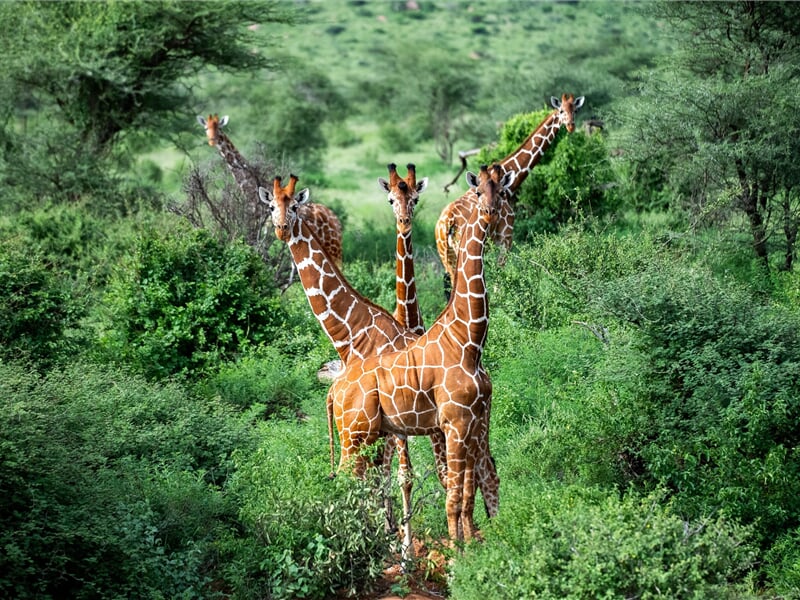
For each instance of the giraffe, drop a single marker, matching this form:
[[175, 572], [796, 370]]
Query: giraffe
[[356, 326], [403, 197], [437, 382], [322, 220], [520, 162]]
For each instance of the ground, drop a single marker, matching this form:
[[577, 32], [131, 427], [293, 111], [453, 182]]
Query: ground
[[428, 581]]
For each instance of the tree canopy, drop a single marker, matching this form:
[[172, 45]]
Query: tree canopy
[[719, 115]]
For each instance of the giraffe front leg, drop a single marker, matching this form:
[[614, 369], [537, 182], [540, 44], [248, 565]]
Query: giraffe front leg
[[405, 476], [456, 467], [468, 507], [439, 444]]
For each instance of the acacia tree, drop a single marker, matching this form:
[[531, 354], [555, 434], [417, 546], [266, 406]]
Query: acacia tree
[[719, 116], [78, 77]]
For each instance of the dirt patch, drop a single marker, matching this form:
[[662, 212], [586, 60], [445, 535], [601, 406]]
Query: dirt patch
[[427, 581]]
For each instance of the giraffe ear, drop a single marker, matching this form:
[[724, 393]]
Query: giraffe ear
[[302, 196], [201, 120], [579, 102], [223, 121], [555, 102], [472, 179], [384, 184], [422, 184], [264, 195]]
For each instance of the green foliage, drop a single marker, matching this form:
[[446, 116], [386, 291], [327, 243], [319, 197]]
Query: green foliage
[[719, 388], [336, 540], [70, 118], [37, 306], [552, 280], [301, 98], [783, 564], [106, 484], [573, 542], [717, 116], [265, 382], [574, 178], [186, 300]]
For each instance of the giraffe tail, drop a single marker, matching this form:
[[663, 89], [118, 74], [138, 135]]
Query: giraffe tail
[[329, 411]]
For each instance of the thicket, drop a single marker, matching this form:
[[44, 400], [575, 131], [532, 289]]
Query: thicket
[[184, 301], [162, 433]]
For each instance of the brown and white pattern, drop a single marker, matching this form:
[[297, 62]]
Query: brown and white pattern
[[454, 216], [437, 383]]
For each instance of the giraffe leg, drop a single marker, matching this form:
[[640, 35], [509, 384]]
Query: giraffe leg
[[456, 466], [468, 506], [391, 442], [440, 456], [406, 482], [486, 472]]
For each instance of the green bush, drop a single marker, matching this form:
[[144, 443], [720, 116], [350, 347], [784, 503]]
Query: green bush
[[336, 541], [579, 543], [185, 300], [267, 382], [782, 564], [574, 178], [37, 306], [551, 281], [717, 394], [108, 484]]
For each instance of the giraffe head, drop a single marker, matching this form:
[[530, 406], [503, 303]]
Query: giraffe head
[[283, 204], [567, 108], [403, 193], [212, 125], [490, 185]]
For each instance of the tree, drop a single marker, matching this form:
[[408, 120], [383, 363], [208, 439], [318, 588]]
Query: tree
[[719, 114], [78, 77]]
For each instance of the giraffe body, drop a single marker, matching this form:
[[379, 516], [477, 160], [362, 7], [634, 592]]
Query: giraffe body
[[437, 383], [321, 219], [454, 216]]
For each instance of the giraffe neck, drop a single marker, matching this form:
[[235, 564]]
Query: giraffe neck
[[468, 320], [407, 311], [355, 326], [243, 174], [530, 152]]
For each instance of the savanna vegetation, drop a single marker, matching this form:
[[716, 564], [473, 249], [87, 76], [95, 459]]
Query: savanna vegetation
[[162, 429]]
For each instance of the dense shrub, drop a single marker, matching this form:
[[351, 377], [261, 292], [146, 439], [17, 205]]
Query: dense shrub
[[574, 178], [336, 540], [37, 306], [782, 564], [552, 280], [106, 484], [267, 382], [185, 300], [719, 387], [572, 542]]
